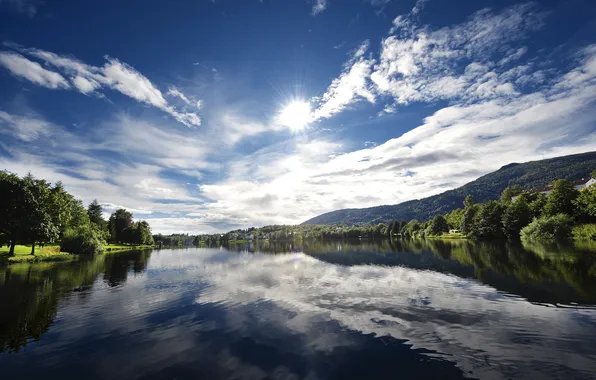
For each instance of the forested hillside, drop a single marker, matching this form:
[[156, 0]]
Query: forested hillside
[[528, 175]]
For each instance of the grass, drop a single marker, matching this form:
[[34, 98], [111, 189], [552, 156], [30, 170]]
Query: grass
[[123, 247], [22, 254], [448, 236]]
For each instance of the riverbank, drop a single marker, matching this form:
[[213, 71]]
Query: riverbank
[[111, 248], [22, 253]]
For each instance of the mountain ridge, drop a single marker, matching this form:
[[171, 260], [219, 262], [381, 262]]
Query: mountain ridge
[[528, 175]]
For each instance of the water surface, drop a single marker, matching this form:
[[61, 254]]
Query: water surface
[[319, 310]]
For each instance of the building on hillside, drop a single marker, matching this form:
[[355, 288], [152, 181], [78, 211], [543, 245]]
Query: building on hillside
[[578, 184]]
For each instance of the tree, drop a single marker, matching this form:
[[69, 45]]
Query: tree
[[468, 202], [593, 174], [468, 221], [516, 216], [510, 192], [95, 212], [561, 198], [549, 228], [585, 205], [487, 222], [455, 217], [438, 226], [12, 204], [537, 205], [119, 221]]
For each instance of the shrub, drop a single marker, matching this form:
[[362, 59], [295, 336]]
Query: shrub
[[548, 228], [584, 232], [86, 241]]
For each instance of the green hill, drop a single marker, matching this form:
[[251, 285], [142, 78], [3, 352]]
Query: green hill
[[528, 175]]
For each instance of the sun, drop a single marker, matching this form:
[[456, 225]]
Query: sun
[[295, 115]]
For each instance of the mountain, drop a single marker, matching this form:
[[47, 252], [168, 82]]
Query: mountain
[[528, 175]]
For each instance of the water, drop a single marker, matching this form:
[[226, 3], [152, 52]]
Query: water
[[335, 310]]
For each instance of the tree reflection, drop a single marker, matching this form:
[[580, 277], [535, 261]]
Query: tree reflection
[[29, 293]]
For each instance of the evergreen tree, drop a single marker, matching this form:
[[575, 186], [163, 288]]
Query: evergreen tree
[[95, 211], [119, 221]]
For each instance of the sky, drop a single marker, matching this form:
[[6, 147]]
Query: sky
[[207, 116]]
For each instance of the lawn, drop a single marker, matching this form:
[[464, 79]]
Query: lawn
[[22, 253], [122, 247]]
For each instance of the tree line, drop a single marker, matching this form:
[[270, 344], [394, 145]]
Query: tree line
[[517, 214], [37, 213]]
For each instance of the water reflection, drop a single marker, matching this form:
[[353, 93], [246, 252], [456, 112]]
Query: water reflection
[[319, 310]]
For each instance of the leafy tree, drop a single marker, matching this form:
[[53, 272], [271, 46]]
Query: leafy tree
[[585, 205], [516, 216], [561, 198], [537, 205], [12, 204], [487, 223], [438, 226], [83, 240], [593, 174], [411, 228], [548, 228], [95, 211], [118, 223], [141, 234], [468, 221], [455, 217], [510, 192]]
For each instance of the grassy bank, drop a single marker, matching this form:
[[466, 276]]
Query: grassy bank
[[109, 248], [22, 254], [447, 236]]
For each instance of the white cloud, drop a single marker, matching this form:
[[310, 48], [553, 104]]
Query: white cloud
[[32, 71], [349, 87], [173, 91], [319, 6], [84, 85], [89, 79], [418, 64]]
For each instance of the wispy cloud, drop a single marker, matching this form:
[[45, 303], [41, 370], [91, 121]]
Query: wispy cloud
[[352, 85], [25, 7], [319, 6], [173, 91], [89, 79], [32, 71]]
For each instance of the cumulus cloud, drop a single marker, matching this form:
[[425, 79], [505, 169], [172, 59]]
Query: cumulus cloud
[[422, 65], [32, 71], [89, 79]]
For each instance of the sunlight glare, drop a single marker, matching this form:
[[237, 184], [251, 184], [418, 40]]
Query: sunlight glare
[[295, 115]]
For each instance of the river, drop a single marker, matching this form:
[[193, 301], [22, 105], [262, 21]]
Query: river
[[313, 310]]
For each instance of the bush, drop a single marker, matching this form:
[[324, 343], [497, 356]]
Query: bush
[[584, 232], [83, 241], [548, 228]]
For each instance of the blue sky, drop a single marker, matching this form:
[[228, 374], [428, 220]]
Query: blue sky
[[207, 116]]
